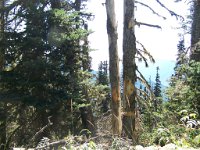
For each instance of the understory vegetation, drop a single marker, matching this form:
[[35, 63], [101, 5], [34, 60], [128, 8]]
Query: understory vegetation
[[50, 98]]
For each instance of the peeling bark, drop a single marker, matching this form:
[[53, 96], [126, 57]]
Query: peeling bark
[[129, 70], [114, 67]]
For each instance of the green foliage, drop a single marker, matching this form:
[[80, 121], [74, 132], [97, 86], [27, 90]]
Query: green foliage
[[157, 87], [44, 71], [196, 140]]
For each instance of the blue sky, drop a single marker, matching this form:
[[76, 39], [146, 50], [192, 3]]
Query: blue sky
[[161, 43]]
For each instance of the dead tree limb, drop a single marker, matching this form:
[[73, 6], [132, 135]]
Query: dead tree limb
[[146, 24], [150, 8], [52, 145], [43, 128], [172, 13]]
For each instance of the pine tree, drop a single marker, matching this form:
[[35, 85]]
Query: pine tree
[[157, 87], [103, 80], [194, 66], [43, 67], [181, 59], [157, 90], [103, 73], [181, 53], [3, 110], [195, 33]]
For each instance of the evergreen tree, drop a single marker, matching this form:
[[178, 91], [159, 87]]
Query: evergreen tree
[[178, 83], [194, 66], [195, 33], [157, 87], [157, 90], [43, 68], [3, 106], [181, 59], [103, 73], [103, 80]]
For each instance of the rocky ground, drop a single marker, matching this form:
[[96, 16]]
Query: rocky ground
[[107, 142], [100, 142]]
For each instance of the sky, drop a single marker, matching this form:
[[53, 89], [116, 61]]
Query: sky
[[161, 43]]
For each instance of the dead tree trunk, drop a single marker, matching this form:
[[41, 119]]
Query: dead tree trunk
[[114, 67], [129, 69]]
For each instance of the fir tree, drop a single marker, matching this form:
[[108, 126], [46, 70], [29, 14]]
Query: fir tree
[[103, 73], [43, 68], [157, 87], [181, 59], [157, 90], [103, 80]]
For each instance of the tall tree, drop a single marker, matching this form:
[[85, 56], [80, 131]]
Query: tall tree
[[2, 24], [3, 111], [181, 60], [129, 68], [195, 37], [114, 67], [43, 72], [103, 80], [86, 112], [193, 72], [157, 89]]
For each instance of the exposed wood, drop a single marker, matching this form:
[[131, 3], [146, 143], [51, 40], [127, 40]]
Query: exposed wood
[[114, 67], [129, 70]]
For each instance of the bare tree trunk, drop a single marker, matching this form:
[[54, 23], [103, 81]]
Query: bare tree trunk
[[129, 68], [195, 38], [114, 67], [3, 105]]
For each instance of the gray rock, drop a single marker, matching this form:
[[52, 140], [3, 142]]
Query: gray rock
[[139, 147], [170, 146]]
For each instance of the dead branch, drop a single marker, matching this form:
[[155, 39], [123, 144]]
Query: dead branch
[[172, 13], [144, 81], [145, 51], [151, 9], [55, 144], [146, 24], [43, 128], [142, 58]]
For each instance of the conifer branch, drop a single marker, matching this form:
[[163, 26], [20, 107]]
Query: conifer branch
[[151, 9]]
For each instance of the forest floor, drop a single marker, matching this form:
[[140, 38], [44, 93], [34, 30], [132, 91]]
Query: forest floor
[[108, 142], [104, 140]]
